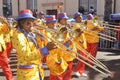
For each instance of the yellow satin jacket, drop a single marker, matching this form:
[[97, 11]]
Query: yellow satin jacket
[[55, 56], [4, 36], [71, 55], [92, 35], [81, 40], [27, 54], [26, 51]]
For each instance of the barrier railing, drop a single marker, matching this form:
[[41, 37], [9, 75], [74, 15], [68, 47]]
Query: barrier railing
[[104, 44]]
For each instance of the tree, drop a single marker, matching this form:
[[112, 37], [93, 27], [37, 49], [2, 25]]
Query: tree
[[108, 9]]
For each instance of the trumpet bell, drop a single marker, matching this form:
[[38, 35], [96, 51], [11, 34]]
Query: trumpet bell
[[14, 24], [76, 33], [76, 30], [62, 34], [63, 30], [61, 37]]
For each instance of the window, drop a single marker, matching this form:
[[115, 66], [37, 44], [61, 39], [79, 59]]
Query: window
[[32, 4], [7, 8], [86, 4]]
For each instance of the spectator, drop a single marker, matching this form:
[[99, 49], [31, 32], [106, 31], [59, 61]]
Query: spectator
[[35, 13], [81, 9], [92, 10], [42, 16]]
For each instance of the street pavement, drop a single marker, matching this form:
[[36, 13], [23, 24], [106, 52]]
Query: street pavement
[[110, 58]]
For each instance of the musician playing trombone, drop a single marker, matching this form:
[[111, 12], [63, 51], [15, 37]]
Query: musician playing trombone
[[90, 26], [91, 34], [57, 65], [79, 69], [68, 57], [5, 47], [62, 20], [27, 45], [61, 65]]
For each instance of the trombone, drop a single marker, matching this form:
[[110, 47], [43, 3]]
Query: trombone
[[68, 50], [83, 50], [93, 60], [107, 25], [84, 28]]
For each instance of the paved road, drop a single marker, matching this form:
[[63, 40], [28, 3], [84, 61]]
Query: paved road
[[110, 59]]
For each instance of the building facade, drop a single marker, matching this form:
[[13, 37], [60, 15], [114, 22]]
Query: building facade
[[12, 7]]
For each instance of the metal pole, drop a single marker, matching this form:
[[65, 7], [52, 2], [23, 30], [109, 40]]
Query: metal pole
[[88, 5], [18, 5], [33, 4], [11, 7], [79, 5], [114, 6]]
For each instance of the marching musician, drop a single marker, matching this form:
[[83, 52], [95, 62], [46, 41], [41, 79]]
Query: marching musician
[[27, 45], [8, 42], [79, 69], [78, 17], [91, 34], [54, 60], [5, 47], [62, 20], [42, 16], [68, 57]]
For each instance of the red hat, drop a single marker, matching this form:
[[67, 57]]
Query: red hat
[[50, 18], [62, 16], [26, 13], [41, 13]]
